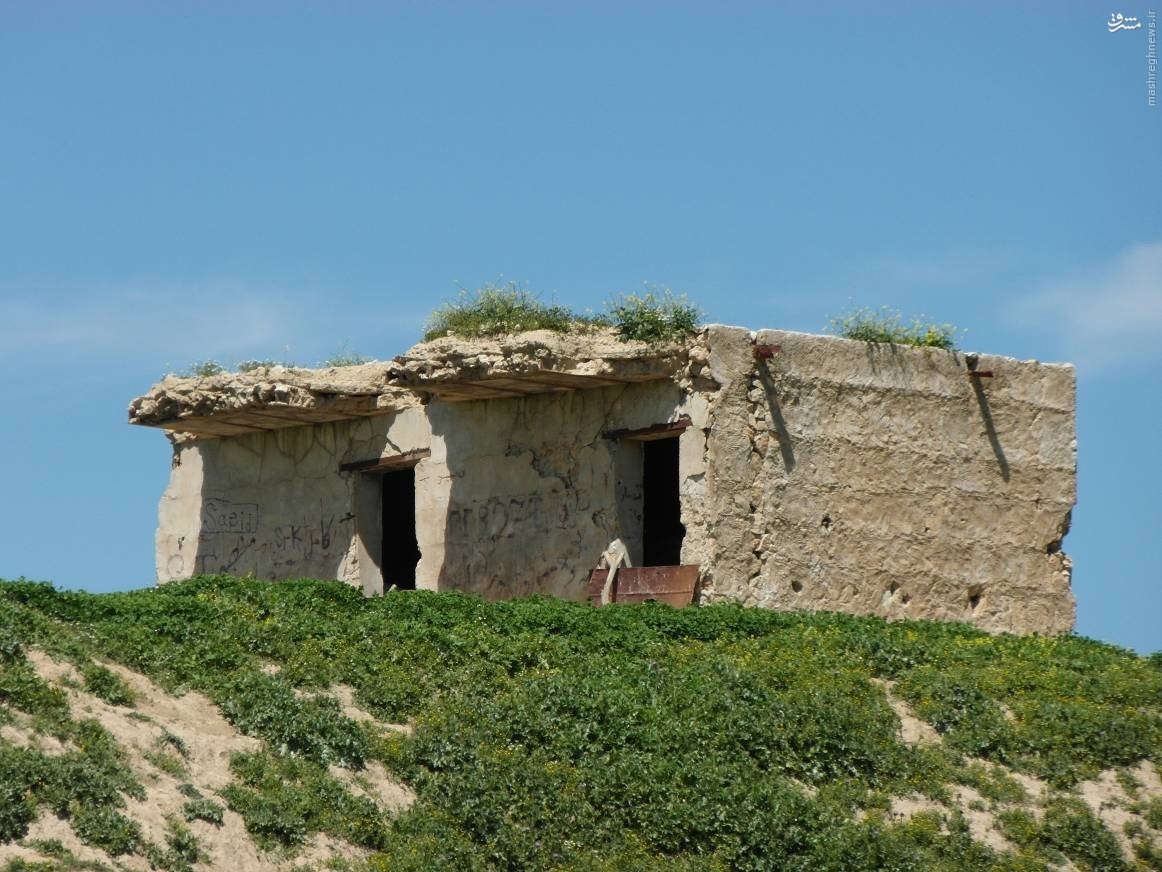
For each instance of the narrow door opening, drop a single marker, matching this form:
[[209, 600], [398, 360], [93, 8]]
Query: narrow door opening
[[401, 550], [662, 529]]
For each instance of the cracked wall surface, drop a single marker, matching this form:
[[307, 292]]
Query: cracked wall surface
[[821, 474], [878, 479], [533, 499], [276, 504]]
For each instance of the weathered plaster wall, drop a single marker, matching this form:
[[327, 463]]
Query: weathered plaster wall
[[877, 479], [534, 485], [276, 505], [833, 475], [517, 496]]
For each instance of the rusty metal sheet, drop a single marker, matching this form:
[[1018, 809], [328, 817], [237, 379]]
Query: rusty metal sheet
[[673, 585], [596, 583], [387, 464], [656, 431]]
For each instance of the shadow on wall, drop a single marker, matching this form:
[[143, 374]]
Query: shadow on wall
[[876, 353], [275, 505], [880, 352], [990, 428], [786, 449], [533, 498]]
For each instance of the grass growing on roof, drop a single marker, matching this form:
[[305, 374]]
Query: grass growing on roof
[[254, 364], [202, 369], [495, 310], [888, 326], [654, 316], [345, 356]]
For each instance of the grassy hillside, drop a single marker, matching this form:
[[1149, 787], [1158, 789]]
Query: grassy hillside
[[537, 734]]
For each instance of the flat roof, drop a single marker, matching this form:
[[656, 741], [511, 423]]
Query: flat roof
[[451, 369]]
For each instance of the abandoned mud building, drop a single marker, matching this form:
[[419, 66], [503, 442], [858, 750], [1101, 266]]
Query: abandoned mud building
[[795, 471]]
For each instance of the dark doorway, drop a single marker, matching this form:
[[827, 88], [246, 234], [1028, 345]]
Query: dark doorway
[[662, 529], [401, 551]]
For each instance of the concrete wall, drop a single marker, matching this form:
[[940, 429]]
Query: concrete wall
[[517, 496], [534, 485], [877, 479], [276, 505], [835, 475]]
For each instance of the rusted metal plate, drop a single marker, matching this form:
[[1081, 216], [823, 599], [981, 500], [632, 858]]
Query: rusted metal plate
[[657, 431], [386, 464], [673, 585]]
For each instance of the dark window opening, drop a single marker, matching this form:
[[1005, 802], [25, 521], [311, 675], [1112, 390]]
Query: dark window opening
[[401, 550], [662, 529]]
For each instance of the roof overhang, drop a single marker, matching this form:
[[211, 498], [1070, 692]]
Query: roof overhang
[[540, 362], [451, 369], [270, 417], [233, 404]]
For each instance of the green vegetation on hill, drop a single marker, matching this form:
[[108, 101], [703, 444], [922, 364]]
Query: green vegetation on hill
[[548, 734]]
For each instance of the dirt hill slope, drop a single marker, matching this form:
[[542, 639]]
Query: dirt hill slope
[[178, 748], [235, 725]]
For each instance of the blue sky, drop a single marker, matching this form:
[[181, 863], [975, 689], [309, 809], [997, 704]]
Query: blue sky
[[185, 181]]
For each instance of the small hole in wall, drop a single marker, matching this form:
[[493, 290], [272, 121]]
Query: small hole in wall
[[826, 522], [1053, 547], [892, 588], [905, 598], [975, 594], [797, 586]]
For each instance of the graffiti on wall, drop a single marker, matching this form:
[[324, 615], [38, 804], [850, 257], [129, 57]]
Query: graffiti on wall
[[478, 540], [224, 516], [303, 540], [233, 539], [495, 518]]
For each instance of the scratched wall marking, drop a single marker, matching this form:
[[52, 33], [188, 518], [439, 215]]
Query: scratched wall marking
[[226, 516]]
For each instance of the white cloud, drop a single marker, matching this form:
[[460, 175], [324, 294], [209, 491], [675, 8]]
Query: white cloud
[[938, 271], [172, 323], [1108, 318]]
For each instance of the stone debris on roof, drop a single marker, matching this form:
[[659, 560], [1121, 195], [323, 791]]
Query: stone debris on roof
[[451, 368], [232, 403], [539, 361]]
